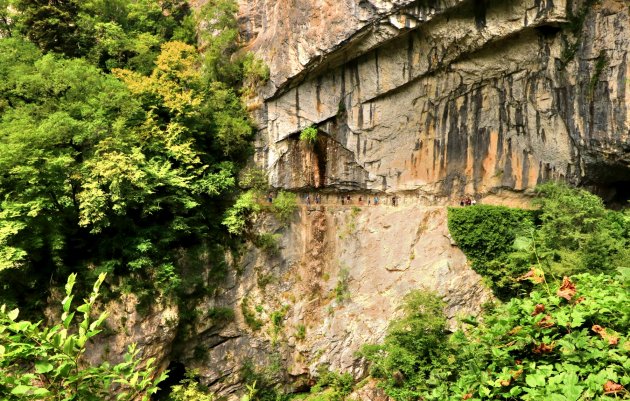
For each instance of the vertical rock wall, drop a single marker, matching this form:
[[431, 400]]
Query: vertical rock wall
[[445, 97], [341, 273]]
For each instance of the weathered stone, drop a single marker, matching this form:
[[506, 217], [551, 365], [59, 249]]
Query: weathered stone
[[342, 273], [152, 329], [461, 100]]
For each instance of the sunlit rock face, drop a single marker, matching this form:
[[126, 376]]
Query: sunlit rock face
[[443, 97], [341, 273], [424, 100]]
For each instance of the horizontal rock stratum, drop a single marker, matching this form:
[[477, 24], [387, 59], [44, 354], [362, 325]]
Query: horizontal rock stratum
[[443, 97]]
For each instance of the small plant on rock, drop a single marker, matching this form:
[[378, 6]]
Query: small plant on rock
[[309, 135]]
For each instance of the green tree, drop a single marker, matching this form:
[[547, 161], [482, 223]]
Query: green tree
[[576, 227], [52, 25], [113, 173], [46, 363], [412, 357]]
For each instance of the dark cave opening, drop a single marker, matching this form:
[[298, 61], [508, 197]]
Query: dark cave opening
[[176, 373], [616, 195], [611, 182]]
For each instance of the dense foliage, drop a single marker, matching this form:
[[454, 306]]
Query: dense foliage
[[113, 161], [486, 234], [570, 232], [564, 342], [108, 33], [413, 348], [45, 363]]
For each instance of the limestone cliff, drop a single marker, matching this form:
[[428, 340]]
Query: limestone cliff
[[424, 99], [336, 281], [444, 96]]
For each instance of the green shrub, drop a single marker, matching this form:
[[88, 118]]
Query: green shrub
[[238, 217], [300, 331], [576, 225], [221, 315], [277, 318], [284, 206], [414, 348], [189, 389], [548, 346], [268, 242], [254, 178], [486, 234], [331, 386], [250, 316], [341, 289], [255, 73], [45, 363], [277, 322], [309, 135], [264, 378], [572, 232], [566, 341]]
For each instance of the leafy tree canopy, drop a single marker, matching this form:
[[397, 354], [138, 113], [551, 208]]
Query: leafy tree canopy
[[112, 161]]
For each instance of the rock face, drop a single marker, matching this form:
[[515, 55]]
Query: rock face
[[424, 99], [152, 328], [339, 277], [443, 96]]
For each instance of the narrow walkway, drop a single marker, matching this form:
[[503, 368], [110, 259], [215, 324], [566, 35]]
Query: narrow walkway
[[371, 200]]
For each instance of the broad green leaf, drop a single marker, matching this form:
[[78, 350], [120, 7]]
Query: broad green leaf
[[68, 346], [535, 380], [40, 391], [43, 366], [66, 303], [21, 390], [13, 314], [70, 283], [85, 308]]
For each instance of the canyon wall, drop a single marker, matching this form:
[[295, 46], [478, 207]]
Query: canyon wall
[[338, 277], [426, 100]]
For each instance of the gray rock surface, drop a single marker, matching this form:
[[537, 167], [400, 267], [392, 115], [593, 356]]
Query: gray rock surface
[[447, 98], [342, 272]]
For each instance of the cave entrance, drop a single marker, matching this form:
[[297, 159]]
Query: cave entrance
[[615, 194], [176, 373]]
